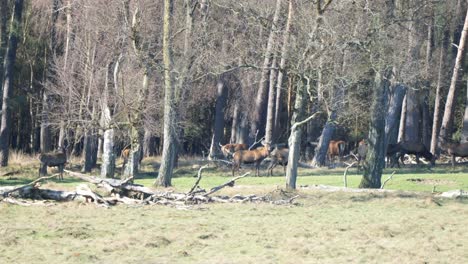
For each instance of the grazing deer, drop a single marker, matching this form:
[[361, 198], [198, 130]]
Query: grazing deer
[[53, 159], [278, 156], [229, 149], [454, 149], [250, 156], [335, 148], [415, 148]]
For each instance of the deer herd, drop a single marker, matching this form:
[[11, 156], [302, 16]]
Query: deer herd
[[278, 155]]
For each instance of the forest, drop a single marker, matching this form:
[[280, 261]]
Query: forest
[[183, 78]]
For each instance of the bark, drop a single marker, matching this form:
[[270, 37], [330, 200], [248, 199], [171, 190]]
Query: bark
[[294, 141], [168, 155], [235, 123], [3, 38], [413, 116], [322, 146], [426, 122], [436, 119], [8, 82], [375, 158], [63, 127], [218, 132], [258, 119], [394, 111], [108, 154], [150, 144], [45, 130], [133, 161], [243, 131], [447, 120], [45, 126], [89, 151], [269, 132], [281, 70], [401, 128], [464, 137]]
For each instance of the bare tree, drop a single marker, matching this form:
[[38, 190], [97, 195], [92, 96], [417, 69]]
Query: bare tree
[[7, 84], [168, 155], [447, 120]]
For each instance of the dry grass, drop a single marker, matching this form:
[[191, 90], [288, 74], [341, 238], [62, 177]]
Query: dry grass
[[322, 228], [20, 158]]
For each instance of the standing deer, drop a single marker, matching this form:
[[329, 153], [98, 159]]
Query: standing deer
[[250, 156], [455, 149], [54, 159], [229, 149], [278, 156], [335, 148]]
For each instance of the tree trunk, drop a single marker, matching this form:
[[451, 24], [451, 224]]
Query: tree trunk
[[394, 111], [8, 83], [447, 120], [271, 104], [168, 155], [464, 137], [258, 119], [150, 145], [218, 132], [436, 119], [401, 128], [88, 151], [294, 141], [63, 127], [413, 116], [108, 154], [3, 39], [235, 123], [375, 158], [133, 161], [45, 130], [284, 55], [322, 147]]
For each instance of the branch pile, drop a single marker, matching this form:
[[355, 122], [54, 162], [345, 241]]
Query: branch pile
[[110, 192]]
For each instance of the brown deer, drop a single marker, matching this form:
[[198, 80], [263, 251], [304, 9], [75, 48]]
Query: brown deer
[[335, 148], [250, 156], [229, 149], [125, 154], [454, 149], [278, 156], [53, 159]]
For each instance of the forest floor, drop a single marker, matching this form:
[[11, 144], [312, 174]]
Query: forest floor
[[406, 226]]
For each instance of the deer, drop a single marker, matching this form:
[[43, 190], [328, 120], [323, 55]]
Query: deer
[[278, 156], [250, 156], [125, 154], [229, 149], [53, 159], [335, 148], [454, 149], [416, 148]]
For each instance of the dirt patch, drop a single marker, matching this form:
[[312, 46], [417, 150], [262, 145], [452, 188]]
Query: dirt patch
[[432, 181]]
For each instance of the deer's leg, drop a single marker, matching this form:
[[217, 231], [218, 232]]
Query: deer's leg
[[61, 167], [43, 169], [453, 160]]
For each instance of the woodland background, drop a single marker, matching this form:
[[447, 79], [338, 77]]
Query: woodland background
[[179, 77]]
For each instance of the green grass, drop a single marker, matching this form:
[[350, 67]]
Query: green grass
[[410, 178], [321, 227]]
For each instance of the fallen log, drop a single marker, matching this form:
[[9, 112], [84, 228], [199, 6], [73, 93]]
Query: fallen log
[[20, 188], [229, 183]]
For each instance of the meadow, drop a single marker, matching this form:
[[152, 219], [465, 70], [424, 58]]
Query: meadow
[[408, 225]]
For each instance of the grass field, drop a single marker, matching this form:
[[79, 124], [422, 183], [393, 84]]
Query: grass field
[[322, 227]]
